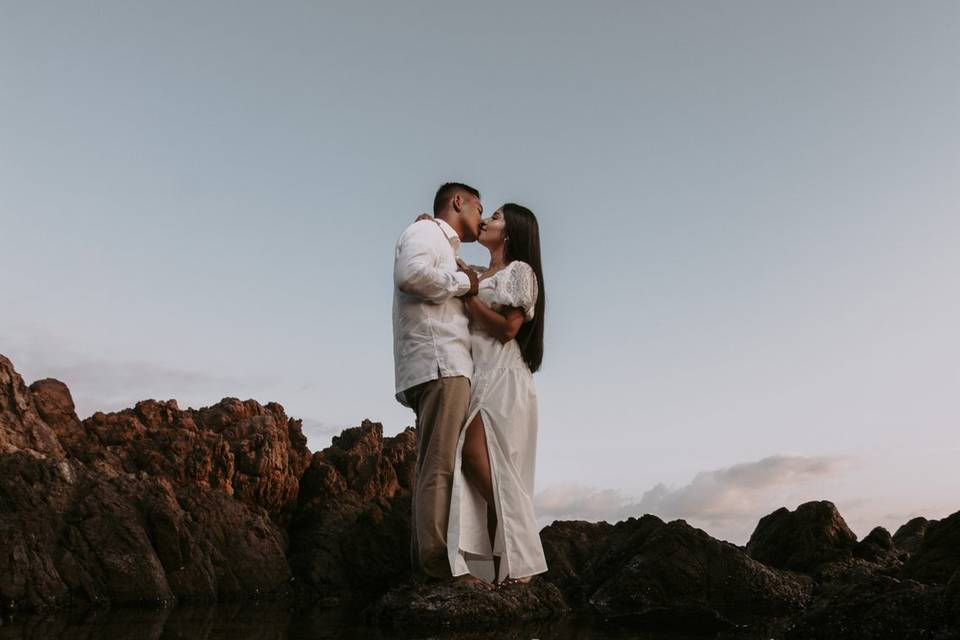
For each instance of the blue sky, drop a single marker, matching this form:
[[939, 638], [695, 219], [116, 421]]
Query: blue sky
[[749, 216]]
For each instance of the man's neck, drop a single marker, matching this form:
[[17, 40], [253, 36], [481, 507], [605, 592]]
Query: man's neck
[[451, 218]]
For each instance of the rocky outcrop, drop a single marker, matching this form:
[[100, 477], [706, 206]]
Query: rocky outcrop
[[878, 547], [129, 540], [156, 505], [55, 407], [910, 535], [144, 506], [251, 452], [802, 540], [570, 548], [350, 538], [640, 572], [670, 574], [21, 427], [938, 558]]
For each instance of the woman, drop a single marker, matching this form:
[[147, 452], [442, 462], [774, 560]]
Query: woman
[[492, 529]]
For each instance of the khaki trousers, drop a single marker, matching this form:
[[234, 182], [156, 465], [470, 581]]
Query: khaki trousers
[[441, 406]]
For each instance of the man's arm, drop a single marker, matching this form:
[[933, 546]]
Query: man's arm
[[414, 272]]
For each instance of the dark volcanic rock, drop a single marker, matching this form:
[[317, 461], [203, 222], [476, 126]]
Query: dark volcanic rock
[[350, 538], [667, 575], [878, 547], [877, 609], [570, 548], [464, 605], [851, 571], [909, 536], [145, 505], [939, 555], [676, 565], [802, 540]]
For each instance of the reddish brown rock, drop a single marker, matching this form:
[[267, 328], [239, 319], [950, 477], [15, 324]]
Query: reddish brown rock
[[127, 539], [144, 506], [55, 406], [251, 452], [21, 427], [350, 538]]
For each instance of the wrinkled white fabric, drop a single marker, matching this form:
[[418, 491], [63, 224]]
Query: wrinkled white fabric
[[431, 336], [504, 395]]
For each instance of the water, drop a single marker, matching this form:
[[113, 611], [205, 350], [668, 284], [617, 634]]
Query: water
[[271, 622]]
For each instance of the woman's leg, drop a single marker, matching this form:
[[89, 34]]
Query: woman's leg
[[476, 467]]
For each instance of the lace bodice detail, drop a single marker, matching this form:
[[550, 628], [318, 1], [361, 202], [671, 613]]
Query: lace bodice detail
[[514, 286]]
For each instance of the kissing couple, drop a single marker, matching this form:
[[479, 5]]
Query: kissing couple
[[466, 342]]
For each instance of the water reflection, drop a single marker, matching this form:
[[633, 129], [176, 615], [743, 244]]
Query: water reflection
[[272, 622]]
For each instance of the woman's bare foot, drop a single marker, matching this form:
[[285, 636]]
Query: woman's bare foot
[[508, 581], [470, 579]]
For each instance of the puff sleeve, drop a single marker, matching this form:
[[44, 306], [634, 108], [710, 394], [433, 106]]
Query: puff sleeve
[[517, 287]]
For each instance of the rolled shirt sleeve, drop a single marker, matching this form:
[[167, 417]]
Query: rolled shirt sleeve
[[415, 268]]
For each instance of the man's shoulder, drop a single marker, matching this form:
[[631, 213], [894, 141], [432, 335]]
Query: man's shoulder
[[421, 229]]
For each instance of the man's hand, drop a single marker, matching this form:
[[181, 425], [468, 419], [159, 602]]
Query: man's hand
[[474, 281]]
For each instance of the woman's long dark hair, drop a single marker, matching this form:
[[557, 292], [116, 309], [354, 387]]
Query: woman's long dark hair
[[523, 243]]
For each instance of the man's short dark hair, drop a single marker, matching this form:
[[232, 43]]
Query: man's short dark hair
[[446, 192]]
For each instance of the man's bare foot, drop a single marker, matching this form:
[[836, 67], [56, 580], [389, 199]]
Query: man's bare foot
[[470, 579]]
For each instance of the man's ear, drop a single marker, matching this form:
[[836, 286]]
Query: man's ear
[[457, 202]]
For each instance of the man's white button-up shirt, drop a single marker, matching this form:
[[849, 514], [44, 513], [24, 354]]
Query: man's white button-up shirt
[[431, 336]]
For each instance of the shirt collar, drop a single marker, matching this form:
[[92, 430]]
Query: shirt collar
[[450, 233]]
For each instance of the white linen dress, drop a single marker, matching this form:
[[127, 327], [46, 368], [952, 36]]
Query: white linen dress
[[503, 393]]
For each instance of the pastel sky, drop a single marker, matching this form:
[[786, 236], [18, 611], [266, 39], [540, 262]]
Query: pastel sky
[[749, 213]]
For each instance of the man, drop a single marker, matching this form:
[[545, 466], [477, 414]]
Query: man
[[431, 350]]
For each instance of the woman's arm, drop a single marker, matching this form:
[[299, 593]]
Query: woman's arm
[[502, 325]]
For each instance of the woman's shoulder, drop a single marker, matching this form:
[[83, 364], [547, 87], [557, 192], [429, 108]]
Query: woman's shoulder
[[519, 271], [518, 286], [520, 267], [514, 271]]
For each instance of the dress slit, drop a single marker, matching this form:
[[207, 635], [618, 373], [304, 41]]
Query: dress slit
[[500, 533]]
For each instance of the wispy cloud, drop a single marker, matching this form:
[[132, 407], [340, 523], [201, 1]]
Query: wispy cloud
[[102, 384], [727, 502]]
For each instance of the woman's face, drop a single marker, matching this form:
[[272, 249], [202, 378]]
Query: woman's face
[[492, 230]]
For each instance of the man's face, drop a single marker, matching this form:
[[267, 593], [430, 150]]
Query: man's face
[[471, 213]]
